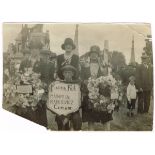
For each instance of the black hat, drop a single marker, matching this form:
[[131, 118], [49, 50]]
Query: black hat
[[144, 56], [94, 49], [69, 68], [68, 41]]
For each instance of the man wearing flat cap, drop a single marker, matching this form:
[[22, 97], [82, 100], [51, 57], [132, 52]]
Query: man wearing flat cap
[[45, 67], [68, 58], [144, 83], [46, 70], [68, 72]]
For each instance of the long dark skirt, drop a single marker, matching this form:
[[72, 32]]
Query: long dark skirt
[[41, 113], [28, 113], [91, 115]]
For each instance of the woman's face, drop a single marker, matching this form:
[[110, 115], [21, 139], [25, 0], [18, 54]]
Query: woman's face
[[68, 48], [132, 82], [94, 56]]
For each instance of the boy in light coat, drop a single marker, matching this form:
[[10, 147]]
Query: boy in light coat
[[131, 96]]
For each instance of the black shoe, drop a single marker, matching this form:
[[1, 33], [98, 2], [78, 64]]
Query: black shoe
[[140, 112], [128, 114], [132, 114]]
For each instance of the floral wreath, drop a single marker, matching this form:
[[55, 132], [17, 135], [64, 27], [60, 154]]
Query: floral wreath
[[12, 97], [102, 92]]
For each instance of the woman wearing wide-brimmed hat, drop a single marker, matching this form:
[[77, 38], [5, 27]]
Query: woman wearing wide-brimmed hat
[[67, 58], [93, 70], [94, 66]]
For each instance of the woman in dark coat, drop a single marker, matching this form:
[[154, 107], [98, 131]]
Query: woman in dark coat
[[94, 70], [68, 58]]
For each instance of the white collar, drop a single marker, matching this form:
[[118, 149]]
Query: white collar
[[131, 85], [66, 56]]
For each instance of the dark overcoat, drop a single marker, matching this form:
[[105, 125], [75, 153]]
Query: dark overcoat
[[144, 77], [46, 69]]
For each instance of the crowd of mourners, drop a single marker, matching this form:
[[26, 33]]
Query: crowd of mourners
[[102, 91]]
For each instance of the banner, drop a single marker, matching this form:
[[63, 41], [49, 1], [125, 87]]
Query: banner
[[64, 98], [24, 89]]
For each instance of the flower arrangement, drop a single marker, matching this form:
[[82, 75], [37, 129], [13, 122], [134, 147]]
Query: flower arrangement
[[12, 97], [102, 91]]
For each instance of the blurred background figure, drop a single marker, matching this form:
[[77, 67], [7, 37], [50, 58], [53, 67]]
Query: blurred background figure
[[144, 83]]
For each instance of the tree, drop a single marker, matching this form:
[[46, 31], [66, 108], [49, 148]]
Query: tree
[[148, 47], [127, 71], [117, 60]]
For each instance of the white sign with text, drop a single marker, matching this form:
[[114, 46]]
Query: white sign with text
[[64, 98]]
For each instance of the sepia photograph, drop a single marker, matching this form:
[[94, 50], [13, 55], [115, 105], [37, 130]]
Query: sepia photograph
[[79, 76]]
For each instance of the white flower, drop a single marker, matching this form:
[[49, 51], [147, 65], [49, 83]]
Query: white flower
[[101, 101], [26, 104], [111, 106], [93, 96], [96, 104]]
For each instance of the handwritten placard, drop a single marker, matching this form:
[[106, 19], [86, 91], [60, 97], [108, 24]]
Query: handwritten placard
[[24, 89], [64, 98]]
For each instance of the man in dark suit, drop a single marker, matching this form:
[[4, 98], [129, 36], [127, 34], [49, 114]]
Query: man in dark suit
[[45, 67], [144, 83], [46, 70], [68, 58]]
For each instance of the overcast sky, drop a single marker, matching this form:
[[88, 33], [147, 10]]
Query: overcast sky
[[118, 35]]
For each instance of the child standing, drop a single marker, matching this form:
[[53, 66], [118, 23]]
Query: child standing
[[131, 96]]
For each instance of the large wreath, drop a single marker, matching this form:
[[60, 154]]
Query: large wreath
[[12, 97], [102, 92]]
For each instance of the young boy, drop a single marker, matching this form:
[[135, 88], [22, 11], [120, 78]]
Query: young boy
[[131, 96], [68, 72]]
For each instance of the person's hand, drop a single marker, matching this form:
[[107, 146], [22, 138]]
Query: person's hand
[[94, 76], [65, 121], [129, 101]]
